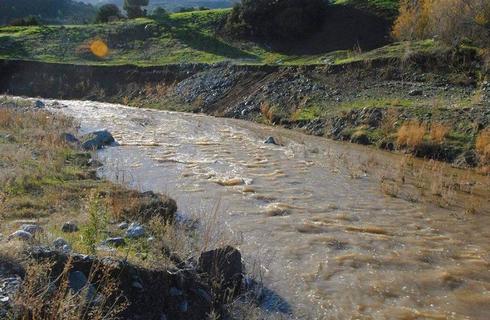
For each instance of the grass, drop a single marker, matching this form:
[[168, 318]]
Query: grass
[[189, 37], [46, 181]]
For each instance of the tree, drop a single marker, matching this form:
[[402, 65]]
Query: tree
[[108, 12], [133, 8], [285, 19], [451, 21]]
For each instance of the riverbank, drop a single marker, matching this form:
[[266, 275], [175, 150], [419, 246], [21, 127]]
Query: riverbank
[[54, 210], [434, 105], [310, 213]]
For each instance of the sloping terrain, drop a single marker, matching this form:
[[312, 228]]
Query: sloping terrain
[[192, 37]]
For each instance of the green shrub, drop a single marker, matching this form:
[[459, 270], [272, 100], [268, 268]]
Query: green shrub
[[108, 12], [286, 19], [133, 8]]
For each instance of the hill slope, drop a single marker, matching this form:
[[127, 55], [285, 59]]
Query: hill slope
[[48, 11], [191, 37], [174, 5]]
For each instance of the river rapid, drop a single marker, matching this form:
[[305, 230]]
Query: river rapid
[[335, 230]]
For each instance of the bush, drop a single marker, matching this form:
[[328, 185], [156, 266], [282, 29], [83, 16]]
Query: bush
[[287, 19], [26, 21], [452, 21], [133, 8], [107, 13]]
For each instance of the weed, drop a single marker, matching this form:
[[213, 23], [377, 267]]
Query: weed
[[96, 226], [482, 146], [438, 132], [411, 135]]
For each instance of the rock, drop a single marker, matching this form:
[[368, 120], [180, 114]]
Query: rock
[[69, 227], [78, 283], [122, 225], [20, 235], [69, 138], [127, 280], [224, 269], [135, 231], [271, 140], [415, 92], [467, 159], [115, 242], [32, 228], [175, 292], [39, 104], [137, 285], [97, 140], [360, 138], [95, 163], [147, 205], [59, 243]]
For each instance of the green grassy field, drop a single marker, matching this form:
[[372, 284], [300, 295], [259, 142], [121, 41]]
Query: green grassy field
[[181, 38]]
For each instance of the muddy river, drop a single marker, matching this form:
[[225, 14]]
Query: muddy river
[[335, 230]]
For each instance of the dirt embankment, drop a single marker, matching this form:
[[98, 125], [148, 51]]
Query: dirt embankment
[[365, 102]]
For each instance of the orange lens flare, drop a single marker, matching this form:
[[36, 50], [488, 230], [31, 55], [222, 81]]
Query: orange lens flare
[[99, 48]]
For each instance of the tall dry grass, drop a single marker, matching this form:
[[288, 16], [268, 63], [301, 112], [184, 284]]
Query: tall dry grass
[[411, 134], [482, 146], [45, 295], [438, 132]]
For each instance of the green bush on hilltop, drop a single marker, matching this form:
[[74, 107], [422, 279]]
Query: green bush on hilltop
[[133, 8], [108, 12], [284, 19]]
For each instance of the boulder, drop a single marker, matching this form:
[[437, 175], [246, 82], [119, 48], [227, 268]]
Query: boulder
[[97, 140], [135, 231], [127, 281], [224, 270], [69, 227], [20, 235]]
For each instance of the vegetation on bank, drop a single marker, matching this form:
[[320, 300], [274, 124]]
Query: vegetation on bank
[[181, 38], [48, 182]]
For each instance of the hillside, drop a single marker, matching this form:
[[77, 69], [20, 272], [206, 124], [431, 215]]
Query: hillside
[[47, 11], [191, 37], [173, 5]]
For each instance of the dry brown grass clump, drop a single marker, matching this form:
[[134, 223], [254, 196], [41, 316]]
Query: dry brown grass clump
[[46, 295], [411, 134], [482, 146], [266, 110], [438, 132]]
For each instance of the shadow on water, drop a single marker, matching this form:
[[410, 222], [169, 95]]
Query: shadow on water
[[269, 300]]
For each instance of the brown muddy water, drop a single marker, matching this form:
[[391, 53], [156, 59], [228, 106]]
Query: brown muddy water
[[337, 231]]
